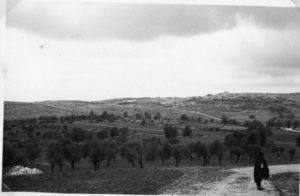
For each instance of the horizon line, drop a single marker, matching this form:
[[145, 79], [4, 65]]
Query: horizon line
[[152, 97]]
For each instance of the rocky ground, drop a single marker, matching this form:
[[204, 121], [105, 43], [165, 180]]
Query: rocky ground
[[237, 181]]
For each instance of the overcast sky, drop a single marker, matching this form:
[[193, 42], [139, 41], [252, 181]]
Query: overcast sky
[[94, 51]]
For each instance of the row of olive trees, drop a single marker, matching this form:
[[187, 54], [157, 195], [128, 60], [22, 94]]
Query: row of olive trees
[[172, 132], [251, 143], [150, 149], [153, 148], [248, 142], [104, 146], [240, 143]]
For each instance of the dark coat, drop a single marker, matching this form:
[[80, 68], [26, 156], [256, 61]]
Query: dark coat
[[261, 169]]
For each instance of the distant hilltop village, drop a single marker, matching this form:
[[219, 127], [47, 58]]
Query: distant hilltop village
[[227, 95]]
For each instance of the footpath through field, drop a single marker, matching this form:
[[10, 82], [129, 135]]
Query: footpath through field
[[197, 112], [240, 182]]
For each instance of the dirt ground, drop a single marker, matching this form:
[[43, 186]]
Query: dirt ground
[[237, 181], [287, 183]]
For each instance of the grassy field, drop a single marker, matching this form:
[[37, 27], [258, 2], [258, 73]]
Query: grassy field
[[84, 180]]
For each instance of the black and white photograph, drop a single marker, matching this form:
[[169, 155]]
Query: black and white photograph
[[142, 98]]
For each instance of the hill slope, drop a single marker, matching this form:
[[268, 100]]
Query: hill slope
[[234, 105]]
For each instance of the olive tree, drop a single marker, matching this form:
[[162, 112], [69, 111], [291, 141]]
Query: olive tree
[[237, 152], [55, 155], [217, 148]]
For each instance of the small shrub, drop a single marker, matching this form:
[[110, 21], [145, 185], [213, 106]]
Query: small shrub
[[187, 131], [157, 116], [78, 135], [103, 134], [170, 132], [184, 117], [123, 135], [292, 152], [114, 132]]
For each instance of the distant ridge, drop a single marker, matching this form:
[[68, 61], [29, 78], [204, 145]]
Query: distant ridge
[[20, 110]]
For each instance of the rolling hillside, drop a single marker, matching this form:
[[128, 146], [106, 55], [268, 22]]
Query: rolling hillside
[[234, 105]]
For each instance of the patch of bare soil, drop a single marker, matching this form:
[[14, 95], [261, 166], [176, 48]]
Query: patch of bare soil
[[195, 179]]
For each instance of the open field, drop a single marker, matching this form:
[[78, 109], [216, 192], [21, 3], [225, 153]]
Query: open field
[[84, 180]]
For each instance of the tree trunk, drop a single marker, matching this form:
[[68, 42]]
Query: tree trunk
[[95, 165], [141, 164], [163, 161], [292, 156], [220, 161], [98, 165], [176, 162], [191, 157], [73, 164], [52, 168], [60, 166], [237, 159], [133, 163], [108, 162]]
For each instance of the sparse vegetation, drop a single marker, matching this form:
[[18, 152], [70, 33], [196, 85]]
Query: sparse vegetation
[[170, 131], [187, 131], [140, 139]]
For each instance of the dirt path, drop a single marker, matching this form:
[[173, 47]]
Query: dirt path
[[240, 182], [200, 113]]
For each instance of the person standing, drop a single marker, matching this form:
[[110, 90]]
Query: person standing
[[261, 170]]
